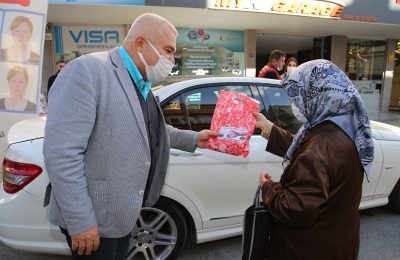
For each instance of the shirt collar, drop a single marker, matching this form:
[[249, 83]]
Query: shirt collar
[[144, 86]]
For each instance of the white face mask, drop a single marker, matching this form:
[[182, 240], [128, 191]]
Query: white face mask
[[290, 70], [298, 114], [160, 71]]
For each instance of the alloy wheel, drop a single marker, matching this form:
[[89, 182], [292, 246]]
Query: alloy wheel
[[154, 236]]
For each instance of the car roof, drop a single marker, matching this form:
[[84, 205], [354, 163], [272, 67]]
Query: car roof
[[165, 91]]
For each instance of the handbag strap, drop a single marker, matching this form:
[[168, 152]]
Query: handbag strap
[[257, 197]]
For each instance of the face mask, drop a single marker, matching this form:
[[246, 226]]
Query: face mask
[[160, 71], [290, 70], [298, 114]]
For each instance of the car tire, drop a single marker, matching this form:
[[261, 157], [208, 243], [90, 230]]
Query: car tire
[[394, 198], [160, 232]]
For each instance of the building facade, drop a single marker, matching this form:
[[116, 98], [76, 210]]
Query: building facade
[[235, 37]]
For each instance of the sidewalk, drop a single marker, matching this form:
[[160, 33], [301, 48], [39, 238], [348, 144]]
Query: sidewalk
[[391, 118]]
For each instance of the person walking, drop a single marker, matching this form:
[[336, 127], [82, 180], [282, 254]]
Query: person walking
[[316, 201], [106, 144], [276, 62], [59, 66]]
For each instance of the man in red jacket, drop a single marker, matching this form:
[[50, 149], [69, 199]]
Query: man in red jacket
[[275, 63]]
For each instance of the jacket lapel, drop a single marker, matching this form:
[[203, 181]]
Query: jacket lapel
[[128, 86]]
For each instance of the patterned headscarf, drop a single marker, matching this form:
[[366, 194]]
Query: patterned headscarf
[[320, 91]]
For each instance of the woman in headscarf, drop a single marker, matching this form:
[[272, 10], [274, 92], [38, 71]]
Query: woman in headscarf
[[316, 201]]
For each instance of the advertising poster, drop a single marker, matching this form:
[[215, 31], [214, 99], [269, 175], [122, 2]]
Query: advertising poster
[[74, 41], [22, 27], [209, 52]]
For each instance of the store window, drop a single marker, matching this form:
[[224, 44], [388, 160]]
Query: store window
[[365, 67], [209, 52]]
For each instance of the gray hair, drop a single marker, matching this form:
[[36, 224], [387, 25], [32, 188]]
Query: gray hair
[[148, 25]]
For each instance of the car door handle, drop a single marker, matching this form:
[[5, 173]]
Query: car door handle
[[389, 167], [185, 154]]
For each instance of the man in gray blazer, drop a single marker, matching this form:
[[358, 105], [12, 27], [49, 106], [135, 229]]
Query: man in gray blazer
[[106, 144]]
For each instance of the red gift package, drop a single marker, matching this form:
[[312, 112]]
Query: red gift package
[[233, 120]]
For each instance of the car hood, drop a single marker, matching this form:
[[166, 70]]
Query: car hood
[[28, 129], [385, 131]]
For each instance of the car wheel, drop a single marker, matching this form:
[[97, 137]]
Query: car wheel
[[160, 233], [394, 198]]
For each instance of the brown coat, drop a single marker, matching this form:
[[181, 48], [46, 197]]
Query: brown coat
[[316, 201]]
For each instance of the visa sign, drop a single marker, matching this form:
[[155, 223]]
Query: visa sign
[[94, 36]]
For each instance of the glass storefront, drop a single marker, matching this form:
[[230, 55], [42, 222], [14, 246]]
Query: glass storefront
[[395, 95], [365, 67], [209, 52]]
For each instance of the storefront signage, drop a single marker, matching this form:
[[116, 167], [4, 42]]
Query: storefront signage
[[24, 3], [107, 2], [22, 27], [326, 9], [95, 36], [209, 52], [73, 41], [359, 18]]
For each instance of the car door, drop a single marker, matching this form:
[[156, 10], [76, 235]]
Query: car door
[[221, 186]]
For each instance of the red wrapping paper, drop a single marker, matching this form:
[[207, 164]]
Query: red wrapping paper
[[233, 120]]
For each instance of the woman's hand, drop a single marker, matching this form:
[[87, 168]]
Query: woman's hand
[[263, 123], [265, 177]]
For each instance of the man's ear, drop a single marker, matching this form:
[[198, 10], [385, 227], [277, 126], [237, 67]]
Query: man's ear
[[140, 43]]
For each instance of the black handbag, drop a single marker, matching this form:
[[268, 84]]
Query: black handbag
[[257, 227]]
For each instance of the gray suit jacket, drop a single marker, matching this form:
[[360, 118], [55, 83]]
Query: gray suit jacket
[[96, 148]]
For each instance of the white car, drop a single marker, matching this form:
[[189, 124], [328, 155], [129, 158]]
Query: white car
[[205, 193]]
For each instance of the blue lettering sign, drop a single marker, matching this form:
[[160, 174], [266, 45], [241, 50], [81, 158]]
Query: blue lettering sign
[[96, 36], [111, 35]]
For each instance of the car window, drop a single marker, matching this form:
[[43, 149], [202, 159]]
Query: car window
[[174, 113], [200, 104], [278, 109]]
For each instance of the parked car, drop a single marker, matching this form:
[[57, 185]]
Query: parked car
[[205, 193]]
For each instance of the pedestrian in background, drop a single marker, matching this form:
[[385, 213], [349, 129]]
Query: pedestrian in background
[[59, 66], [106, 144], [276, 62], [291, 63], [316, 201]]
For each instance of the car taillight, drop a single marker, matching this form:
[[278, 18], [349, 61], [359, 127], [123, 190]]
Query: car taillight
[[17, 175]]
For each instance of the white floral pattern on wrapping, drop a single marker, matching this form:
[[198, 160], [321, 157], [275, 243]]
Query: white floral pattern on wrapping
[[233, 110], [321, 92]]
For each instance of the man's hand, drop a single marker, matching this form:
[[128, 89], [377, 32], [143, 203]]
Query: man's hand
[[203, 136], [86, 242], [265, 177]]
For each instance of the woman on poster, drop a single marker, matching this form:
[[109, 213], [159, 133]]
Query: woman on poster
[[17, 78], [20, 51]]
